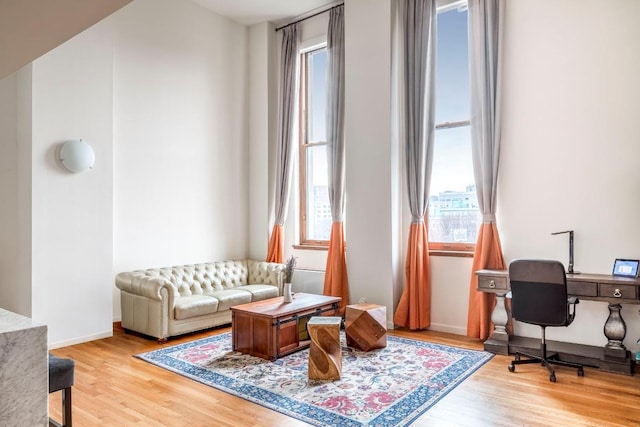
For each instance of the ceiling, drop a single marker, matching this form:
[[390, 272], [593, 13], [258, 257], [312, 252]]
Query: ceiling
[[28, 29], [249, 12]]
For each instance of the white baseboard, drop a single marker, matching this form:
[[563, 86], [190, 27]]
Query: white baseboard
[[439, 327], [117, 319], [81, 340]]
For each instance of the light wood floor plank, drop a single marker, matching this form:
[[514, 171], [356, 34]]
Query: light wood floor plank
[[112, 388]]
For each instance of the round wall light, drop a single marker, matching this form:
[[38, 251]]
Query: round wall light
[[77, 156]]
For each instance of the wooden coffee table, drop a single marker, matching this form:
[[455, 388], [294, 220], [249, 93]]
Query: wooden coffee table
[[272, 328]]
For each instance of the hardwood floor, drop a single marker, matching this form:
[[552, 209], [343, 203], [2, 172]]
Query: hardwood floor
[[112, 388]]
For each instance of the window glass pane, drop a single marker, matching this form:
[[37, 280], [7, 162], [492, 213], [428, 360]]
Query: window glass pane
[[452, 69], [318, 212], [453, 203], [454, 216], [317, 95]]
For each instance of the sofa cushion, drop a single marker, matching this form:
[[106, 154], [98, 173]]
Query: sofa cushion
[[196, 305], [230, 297], [260, 292]]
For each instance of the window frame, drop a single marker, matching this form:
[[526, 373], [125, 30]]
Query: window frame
[[453, 249], [304, 145]]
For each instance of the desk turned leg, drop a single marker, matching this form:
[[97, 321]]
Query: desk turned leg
[[615, 330], [498, 342]]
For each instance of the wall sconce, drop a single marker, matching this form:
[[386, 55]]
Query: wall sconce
[[77, 156]]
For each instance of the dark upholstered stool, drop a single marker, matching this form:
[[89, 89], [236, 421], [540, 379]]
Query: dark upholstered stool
[[61, 378]]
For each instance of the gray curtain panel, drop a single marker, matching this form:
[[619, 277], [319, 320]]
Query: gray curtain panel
[[287, 104], [486, 24], [419, 45], [335, 112]]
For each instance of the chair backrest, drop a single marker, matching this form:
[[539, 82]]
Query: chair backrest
[[539, 292]]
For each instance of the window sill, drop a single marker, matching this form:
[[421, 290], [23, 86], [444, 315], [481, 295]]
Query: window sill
[[312, 247], [456, 254]]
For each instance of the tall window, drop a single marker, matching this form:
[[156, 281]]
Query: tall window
[[454, 215], [315, 210]]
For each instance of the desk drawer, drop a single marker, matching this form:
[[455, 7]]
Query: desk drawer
[[618, 291], [582, 289], [491, 283]]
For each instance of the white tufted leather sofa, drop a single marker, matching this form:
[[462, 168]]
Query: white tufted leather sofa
[[163, 302]]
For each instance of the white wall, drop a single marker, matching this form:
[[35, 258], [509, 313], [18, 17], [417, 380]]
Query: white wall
[[372, 225], [15, 192], [181, 130], [262, 90], [570, 89], [20, 289], [9, 271], [570, 151], [72, 216], [180, 186], [160, 90]]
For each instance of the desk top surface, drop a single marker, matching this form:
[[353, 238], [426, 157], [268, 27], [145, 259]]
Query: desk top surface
[[579, 277]]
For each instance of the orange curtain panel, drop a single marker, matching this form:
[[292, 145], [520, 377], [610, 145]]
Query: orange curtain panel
[[488, 255], [414, 308], [284, 155], [336, 282], [276, 244]]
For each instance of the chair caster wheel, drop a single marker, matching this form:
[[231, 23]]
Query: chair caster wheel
[[581, 372], [552, 378], [511, 368]]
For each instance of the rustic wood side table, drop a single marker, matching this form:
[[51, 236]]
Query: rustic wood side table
[[365, 326], [325, 353]]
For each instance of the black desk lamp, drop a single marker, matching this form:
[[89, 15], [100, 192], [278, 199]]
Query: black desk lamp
[[570, 269]]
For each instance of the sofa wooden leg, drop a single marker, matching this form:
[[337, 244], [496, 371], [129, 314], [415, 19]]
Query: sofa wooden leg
[[162, 340]]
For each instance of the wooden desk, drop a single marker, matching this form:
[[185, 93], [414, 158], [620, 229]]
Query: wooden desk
[[613, 357]]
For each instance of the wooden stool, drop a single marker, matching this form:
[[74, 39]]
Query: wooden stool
[[325, 353], [365, 326]]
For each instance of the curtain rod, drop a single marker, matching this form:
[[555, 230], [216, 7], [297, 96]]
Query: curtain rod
[[310, 16]]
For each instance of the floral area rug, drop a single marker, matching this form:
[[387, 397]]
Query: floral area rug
[[391, 386]]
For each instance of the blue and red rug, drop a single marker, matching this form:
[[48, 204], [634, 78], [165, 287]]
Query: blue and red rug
[[386, 387]]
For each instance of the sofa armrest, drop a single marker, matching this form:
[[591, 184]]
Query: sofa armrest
[[137, 283], [267, 273]]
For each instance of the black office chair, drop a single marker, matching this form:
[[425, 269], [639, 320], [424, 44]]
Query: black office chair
[[539, 297]]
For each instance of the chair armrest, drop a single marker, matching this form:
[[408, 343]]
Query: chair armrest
[[571, 302]]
